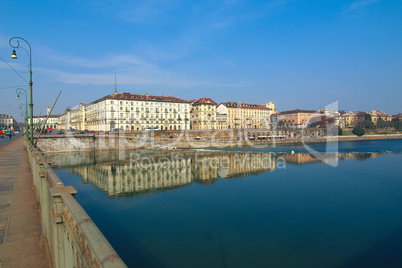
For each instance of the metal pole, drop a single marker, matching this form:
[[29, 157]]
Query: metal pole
[[44, 124], [30, 81], [18, 90]]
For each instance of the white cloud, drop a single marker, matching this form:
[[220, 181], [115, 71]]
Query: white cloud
[[358, 5], [143, 12], [110, 61], [134, 76]]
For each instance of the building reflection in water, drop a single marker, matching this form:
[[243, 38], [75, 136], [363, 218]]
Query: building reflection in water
[[145, 172]]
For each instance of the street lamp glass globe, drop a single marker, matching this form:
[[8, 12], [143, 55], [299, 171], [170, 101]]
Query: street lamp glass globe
[[14, 55]]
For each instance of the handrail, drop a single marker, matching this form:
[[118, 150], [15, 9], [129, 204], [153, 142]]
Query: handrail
[[73, 238]]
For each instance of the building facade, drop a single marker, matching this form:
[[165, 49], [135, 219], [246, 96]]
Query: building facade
[[52, 122], [353, 119], [78, 117], [245, 116], [125, 111], [7, 121], [296, 118], [203, 114]]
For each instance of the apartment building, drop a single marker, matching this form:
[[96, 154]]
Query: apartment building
[[127, 111], [6, 121], [296, 118], [203, 114], [245, 116]]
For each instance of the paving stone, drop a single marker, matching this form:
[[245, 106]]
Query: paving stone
[[20, 225]]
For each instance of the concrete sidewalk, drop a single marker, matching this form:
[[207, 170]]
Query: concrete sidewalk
[[20, 224]]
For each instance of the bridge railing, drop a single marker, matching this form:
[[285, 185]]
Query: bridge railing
[[72, 237]]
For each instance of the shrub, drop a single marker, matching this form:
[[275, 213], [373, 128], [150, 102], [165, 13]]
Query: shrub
[[358, 131]]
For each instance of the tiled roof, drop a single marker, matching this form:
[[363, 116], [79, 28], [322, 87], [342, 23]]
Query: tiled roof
[[297, 111], [230, 104], [204, 101], [140, 97], [5, 116], [45, 116]]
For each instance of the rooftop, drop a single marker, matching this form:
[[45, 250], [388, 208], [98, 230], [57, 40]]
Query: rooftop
[[140, 97], [204, 101], [244, 105], [297, 111]]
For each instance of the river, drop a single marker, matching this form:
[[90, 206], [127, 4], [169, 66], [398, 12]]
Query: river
[[277, 206]]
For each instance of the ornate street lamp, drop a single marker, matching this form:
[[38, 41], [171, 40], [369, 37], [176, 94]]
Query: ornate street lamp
[[24, 114], [14, 56], [19, 91]]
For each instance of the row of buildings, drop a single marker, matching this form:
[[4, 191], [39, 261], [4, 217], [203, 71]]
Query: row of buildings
[[7, 122], [304, 118], [129, 112]]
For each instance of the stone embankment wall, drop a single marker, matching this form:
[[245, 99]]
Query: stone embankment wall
[[172, 139], [190, 139]]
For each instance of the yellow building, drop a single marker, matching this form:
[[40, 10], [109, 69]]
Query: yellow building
[[375, 115], [203, 114], [354, 119], [245, 116]]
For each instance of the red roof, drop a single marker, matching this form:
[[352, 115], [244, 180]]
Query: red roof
[[244, 105], [205, 101], [141, 97], [298, 111]]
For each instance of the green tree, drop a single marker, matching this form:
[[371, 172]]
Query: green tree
[[396, 123], [358, 131], [340, 131], [368, 122]]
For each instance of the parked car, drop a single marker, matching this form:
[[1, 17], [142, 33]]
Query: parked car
[[1, 134], [60, 133], [81, 132]]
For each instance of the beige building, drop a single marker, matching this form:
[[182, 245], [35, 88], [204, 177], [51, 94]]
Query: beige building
[[245, 116], [221, 120], [203, 114], [52, 122], [271, 106], [376, 114], [353, 119], [6, 121], [296, 118], [78, 117], [127, 111]]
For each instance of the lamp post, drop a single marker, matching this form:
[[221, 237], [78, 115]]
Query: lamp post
[[14, 56], [20, 91]]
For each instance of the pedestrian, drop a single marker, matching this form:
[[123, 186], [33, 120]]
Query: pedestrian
[[10, 135]]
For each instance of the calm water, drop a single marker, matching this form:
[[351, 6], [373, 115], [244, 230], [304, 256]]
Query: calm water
[[225, 209]]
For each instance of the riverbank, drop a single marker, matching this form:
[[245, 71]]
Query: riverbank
[[74, 143], [289, 141]]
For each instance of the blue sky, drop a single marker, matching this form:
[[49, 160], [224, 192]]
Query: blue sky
[[295, 53]]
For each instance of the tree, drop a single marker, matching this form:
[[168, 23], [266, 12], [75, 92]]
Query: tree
[[340, 131], [368, 123], [396, 123], [358, 131]]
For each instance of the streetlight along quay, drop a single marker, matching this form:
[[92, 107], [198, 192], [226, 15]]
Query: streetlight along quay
[[19, 91], [14, 56]]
